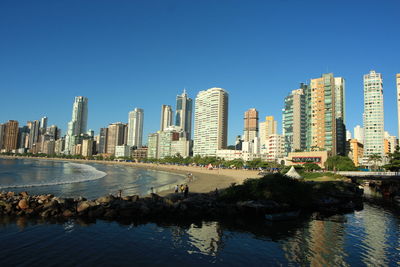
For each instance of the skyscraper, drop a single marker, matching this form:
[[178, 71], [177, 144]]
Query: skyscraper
[[183, 116], [250, 125], [398, 103], [321, 114], [340, 89], [103, 141], [166, 117], [43, 125], [211, 122], [34, 128], [373, 115], [135, 127], [267, 128], [2, 133], [78, 123], [115, 136], [294, 120], [11, 135]]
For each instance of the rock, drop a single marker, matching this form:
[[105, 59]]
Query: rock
[[96, 212], [83, 206], [24, 194], [51, 205], [67, 213], [10, 194], [105, 199], [23, 204]]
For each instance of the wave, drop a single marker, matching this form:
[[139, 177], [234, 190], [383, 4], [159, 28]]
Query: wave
[[87, 173]]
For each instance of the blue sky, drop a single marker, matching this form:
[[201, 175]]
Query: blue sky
[[127, 54]]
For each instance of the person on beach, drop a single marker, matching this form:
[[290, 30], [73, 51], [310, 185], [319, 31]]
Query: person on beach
[[182, 188], [186, 191], [176, 189]]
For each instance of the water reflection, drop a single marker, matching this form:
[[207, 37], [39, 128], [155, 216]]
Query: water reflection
[[369, 237]]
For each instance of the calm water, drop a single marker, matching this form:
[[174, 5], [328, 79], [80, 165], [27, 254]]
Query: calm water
[[369, 238]]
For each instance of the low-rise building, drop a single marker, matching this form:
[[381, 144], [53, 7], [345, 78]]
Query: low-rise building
[[122, 151], [229, 154], [299, 158], [356, 151], [140, 153]]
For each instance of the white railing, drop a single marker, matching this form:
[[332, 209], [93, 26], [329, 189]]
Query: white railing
[[366, 174]]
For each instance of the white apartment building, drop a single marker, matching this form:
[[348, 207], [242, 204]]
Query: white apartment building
[[373, 116], [210, 122]]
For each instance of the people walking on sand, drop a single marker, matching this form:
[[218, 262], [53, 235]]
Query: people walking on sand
[[152, 190], [182, 188], [176, 189], [120, 193], [186, 191]]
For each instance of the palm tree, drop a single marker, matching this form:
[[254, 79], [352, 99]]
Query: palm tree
[[375, 158]]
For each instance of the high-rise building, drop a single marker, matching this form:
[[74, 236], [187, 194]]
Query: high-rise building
[[23, 136], [321, 114], [390, 143], [43, 125], [183, 113], [115, 136], [34, 128], [398, 103], [135, 127], [152, 145], [373, 116], [294, 120], [53, 132], [340, 89], [359, 134], [211, 122], [2, 133], [103, 141], [166, 117], [11, 135], [270, 126], [78, 123], [250, 125]]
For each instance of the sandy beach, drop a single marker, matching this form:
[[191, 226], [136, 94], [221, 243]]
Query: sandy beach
[[204, 180]]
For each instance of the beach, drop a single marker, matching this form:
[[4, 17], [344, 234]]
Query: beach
[[204, 180]]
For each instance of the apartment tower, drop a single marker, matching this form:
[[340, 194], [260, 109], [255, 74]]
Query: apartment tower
[[211, 122], [250, 125], [183, 113], [373, 115], [166, 117], [294, 120], [135, 128]]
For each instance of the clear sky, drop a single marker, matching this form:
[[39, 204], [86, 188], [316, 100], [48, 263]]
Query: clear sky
[[127, 54]]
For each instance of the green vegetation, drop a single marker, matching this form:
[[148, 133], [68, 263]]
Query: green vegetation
[[340, 163], [281, 189], [394, 161], [374, 158]]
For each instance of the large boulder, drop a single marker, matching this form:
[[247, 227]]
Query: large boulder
[[23, 204], [84, 205], [105, 199]]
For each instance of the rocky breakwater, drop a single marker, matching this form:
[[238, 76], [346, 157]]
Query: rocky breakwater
[[231, 202]]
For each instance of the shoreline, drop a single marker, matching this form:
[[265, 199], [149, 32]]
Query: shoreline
[[204, 180]]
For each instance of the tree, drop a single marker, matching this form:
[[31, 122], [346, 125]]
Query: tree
[[311, 167], [340, 163], [374, 158], [394, 161]]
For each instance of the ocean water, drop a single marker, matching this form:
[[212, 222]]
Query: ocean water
[[91, 180], [369, 237]]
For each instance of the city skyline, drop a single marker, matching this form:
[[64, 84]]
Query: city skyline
[[146, 61]]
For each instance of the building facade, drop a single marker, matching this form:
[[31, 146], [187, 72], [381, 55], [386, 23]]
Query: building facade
[[294, 120], [78, 123], [250, 125], [11, 136], [135, 128], [166, 117], [211, 122], [183, 113], [373, 116], [115, 137]]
